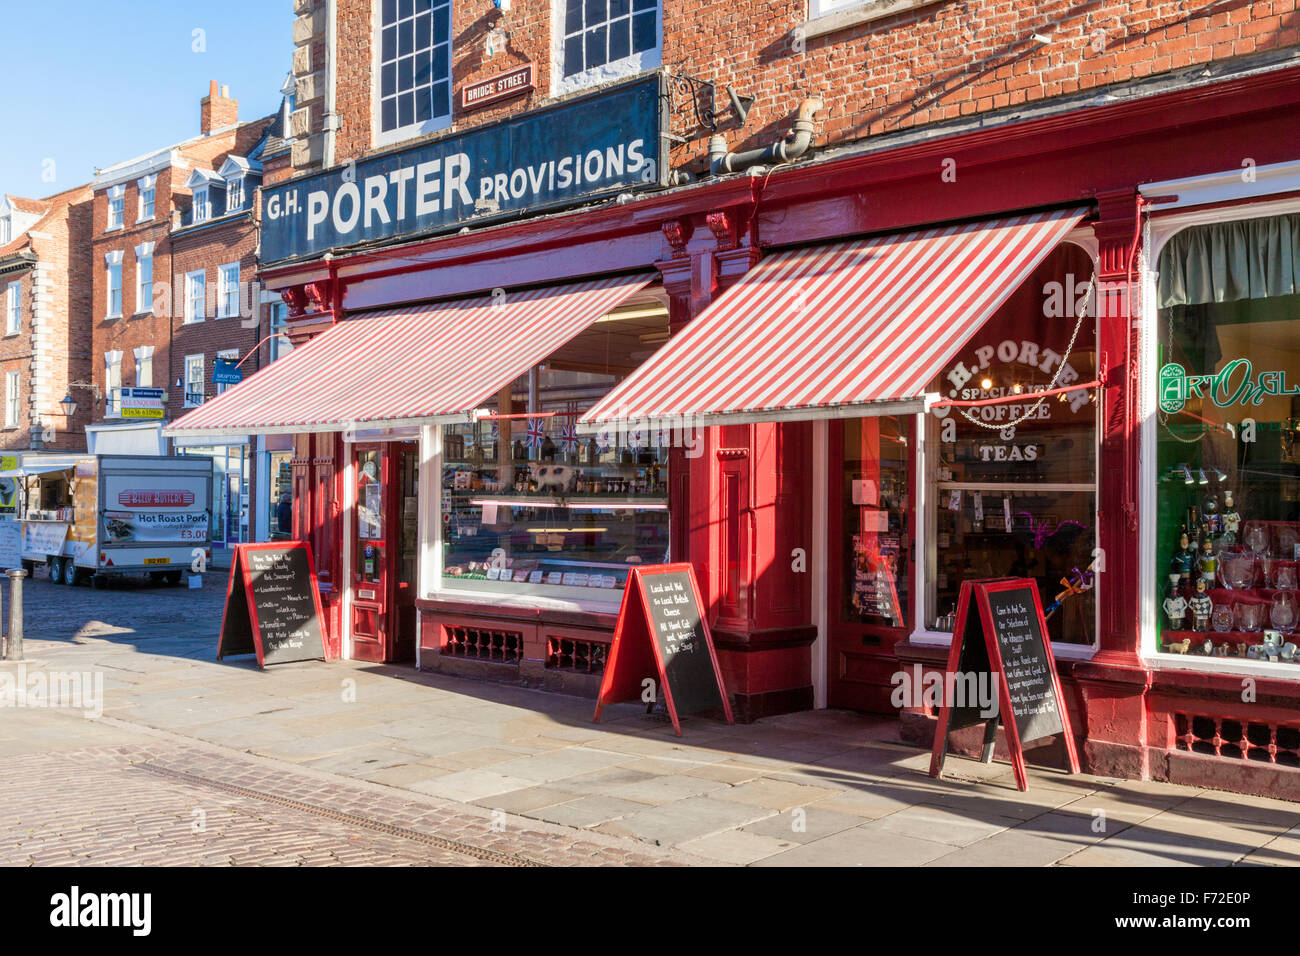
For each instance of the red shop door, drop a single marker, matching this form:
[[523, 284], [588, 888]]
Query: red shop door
[[869, 542], [385, 551]]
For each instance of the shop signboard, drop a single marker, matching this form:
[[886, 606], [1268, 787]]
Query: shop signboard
[[142, 402], [226, 372], [1000, 638], [8, 486], [579, 149], [662, 641], [11, 540], [273, 606], [44, 537]]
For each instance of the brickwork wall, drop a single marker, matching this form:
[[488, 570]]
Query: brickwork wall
[[936, 61]]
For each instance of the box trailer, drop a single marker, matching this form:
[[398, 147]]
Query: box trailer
[[90, 517]]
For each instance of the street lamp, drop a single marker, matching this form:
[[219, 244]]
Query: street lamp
[[70, 404]]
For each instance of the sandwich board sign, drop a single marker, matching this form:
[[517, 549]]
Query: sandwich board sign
[[1000, 633], [662, 635], [273, 607]]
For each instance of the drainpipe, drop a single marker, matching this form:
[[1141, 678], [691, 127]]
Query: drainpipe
[[331, 73], [785, 150]]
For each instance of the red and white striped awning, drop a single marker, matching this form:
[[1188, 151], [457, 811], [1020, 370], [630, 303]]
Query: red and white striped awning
[[425, 364], [847, 329]]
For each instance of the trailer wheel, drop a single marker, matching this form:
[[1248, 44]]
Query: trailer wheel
[[173, 577], [71, 575], [56, 570]]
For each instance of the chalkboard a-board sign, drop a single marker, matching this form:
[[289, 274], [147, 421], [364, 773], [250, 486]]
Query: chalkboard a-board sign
[[272, 605], [662, 632], [1003, 636]]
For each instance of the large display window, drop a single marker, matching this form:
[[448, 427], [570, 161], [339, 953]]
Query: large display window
[[1227, 469], [1011, 484], [529, 506]]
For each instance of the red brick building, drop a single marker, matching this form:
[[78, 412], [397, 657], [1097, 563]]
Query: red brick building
[[173, 259], [45, 291], [849, 240]]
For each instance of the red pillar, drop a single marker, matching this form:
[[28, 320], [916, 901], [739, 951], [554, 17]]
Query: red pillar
[[1114, 683], [743, 500]]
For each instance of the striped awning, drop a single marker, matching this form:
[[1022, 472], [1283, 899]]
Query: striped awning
[[852, 328], [420, 365]]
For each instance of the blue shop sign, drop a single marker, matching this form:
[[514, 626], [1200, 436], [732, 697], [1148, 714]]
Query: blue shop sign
[[572, 152], [226, 372]]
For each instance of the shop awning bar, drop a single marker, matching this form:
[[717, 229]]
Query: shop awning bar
[[842, 330], [428, 364]]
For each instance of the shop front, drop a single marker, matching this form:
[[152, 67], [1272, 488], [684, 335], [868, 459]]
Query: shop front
[[837, 424]]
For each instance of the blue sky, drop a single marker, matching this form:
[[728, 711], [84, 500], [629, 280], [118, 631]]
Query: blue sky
[[89, 84]]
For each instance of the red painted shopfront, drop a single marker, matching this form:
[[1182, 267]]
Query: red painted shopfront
[[785, 518]]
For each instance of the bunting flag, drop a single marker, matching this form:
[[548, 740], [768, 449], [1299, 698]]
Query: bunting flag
[[536, 433]]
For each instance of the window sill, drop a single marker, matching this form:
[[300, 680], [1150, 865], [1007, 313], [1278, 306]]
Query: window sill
[[192, 321], [838, 20], [112, 318], [141, 315], [117, 228], [141, 222], [13, 335]]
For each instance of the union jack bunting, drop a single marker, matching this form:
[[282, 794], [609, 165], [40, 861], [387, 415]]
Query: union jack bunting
[[536, 433], [569, 438]]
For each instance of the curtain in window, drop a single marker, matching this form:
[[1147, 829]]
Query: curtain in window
[[1224, 262]]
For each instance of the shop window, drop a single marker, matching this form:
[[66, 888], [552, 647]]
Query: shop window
[[873, 524], [1012, 485], [414, 68], [602, 39], [531, 507], [1227, 493]]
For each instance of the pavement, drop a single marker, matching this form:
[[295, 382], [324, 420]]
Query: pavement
[[198, 761]]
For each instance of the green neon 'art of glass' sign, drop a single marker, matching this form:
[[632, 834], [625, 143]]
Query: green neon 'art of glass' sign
[[1234, 384]]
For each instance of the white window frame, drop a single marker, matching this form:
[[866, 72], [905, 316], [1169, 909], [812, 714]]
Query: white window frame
[[147, 186], [227, 290], [113, 384], [280, 343], [13, 398], [821, 8], [234, 193], [6, 229], [191, 362], [432, 125], [144, 366], [14, 308], [201, 208], [231, 355], [113, 273], [627, 66], [196, 282], [116, 208], [143, 296]]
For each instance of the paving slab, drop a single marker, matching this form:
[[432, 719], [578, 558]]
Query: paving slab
[[860, 847], [689, 819], [738, 847]]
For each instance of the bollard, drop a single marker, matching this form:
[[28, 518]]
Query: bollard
[[16, 576]]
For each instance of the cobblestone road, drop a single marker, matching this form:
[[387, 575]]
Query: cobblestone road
[[137, 799]]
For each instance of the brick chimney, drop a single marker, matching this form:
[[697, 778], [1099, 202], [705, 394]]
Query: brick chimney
[[217, 110]]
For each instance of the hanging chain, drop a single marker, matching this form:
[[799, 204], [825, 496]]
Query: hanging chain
[[1033, 409]]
